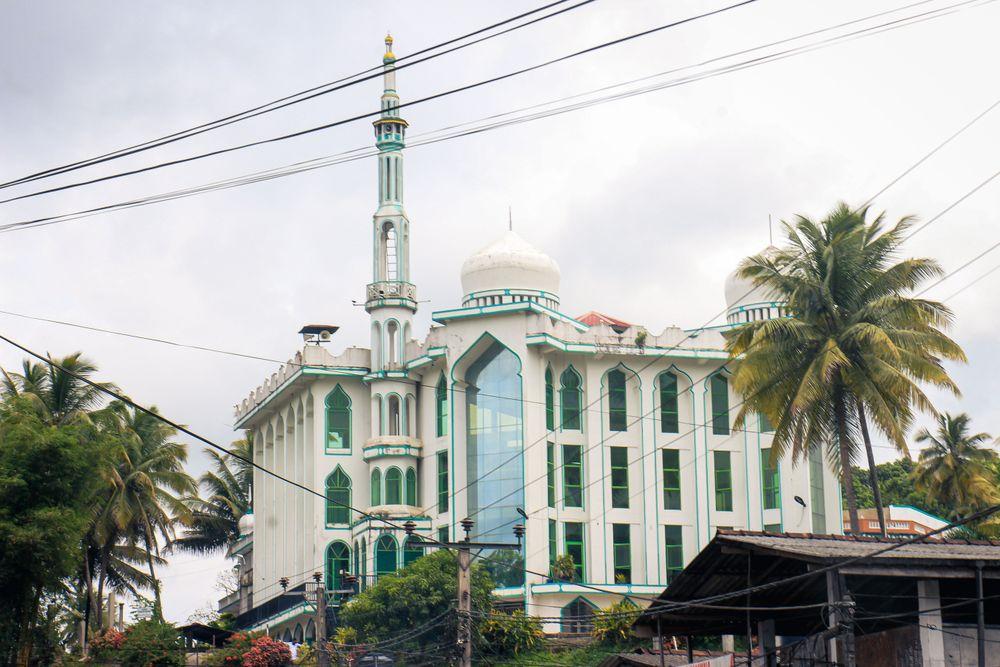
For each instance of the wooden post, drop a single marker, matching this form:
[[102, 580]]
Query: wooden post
[[465, 605], [690, 649], [659, 639], [980, 616]]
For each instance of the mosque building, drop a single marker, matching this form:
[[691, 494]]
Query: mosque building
[[616, 443]]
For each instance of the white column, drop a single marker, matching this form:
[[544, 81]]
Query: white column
[[931, 641]]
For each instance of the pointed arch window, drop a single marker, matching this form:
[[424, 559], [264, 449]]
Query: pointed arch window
[[720, 404], [411, 551], [441, 406], [392, 341], [578, 617], [338, 497], [364, 564], [376, 487], [617, 401], [386, 555], [571, 400], [338, 420], [669, 415], [411, 487], [389, 247], [393, 487], [338, 562], [550, 401]]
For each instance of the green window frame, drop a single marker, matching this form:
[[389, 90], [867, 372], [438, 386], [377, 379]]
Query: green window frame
[[411, 487], [572, 459], [617, 401], [571, 400], [765, 424], [338, 497], [723, 481], [338, 420], [411, 552], [619, 477], [671, 479], [550, 401], [442, 475], [720, 404], [669, 411], [772, 528], [441, 406], [393, 486], [621, 539], [443, 534], [550, 472], [770, 482], [574, 540], [553, 542], [376, 487], [338, 559], [386, 555], [817, 490], [673, 551]]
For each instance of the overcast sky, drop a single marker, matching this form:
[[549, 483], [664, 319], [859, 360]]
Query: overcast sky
[[646, 203]]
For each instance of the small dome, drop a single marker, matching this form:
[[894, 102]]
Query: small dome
[[510, 263], [745, 302], [246, 524]]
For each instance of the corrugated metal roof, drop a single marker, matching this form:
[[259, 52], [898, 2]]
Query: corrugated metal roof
[[593, 318], [851, 546]]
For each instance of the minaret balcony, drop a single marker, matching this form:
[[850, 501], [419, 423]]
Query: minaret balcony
[[384, 446], [391, 293]]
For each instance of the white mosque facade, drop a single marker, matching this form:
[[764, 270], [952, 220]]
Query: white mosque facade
[[616, 443]]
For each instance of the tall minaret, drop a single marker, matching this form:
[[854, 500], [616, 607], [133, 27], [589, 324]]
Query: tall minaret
[[391, 298]]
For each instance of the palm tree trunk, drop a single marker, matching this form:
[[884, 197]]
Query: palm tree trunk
[[29, 615], [157, 603], [846, 473], [89, 580], [872, 474], [103, 565]]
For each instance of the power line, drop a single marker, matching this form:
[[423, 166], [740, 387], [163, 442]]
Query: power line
[[446, 93], [366, 152], [296, 98]]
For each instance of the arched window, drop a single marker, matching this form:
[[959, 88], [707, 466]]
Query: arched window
[[393, 487], [357, 564], [338, 420], [379, 425], [571, 400], [409, 416], [668, 403], [376, 487], [441, 403], [385, 555], [578, 617], [310, 631], [411, 487], [297, 635], [617, 401], [392, 341], [338, 562], [550, 401], [390, 257], [364, 564], [719, 385], [338, 497], [287, 637], [410, 551], [394, 417]]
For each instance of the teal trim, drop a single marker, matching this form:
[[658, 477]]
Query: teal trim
[[510, 292], [583, 397], [609, 588], [443, 316], [424, 359], [346, 451], [386, 375], [647, 351], [920, 511], [372, 452], [321, 371]]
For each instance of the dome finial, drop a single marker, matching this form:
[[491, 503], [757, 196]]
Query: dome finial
[[389, 56]]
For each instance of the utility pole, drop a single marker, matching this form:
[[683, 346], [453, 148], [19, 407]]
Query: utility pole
[[322, 656], [464, 549]]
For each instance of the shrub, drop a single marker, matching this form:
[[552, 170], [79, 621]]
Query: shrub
[[510, 634], [151, 644], [250, 649], [104, 646], [614, 624]]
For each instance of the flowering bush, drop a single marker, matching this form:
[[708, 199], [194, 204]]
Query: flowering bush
[[105, 645], [151, 643], [248, 649]]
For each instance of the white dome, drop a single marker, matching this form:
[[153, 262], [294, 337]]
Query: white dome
[[510, 263], [246, 524], [741, 292]]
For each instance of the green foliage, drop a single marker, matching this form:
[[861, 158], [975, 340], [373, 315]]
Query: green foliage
[[614, 624], [563, 568], [585, 656], [510, 634], [414, 596], [895, 480], [48, 476], [955, 468], [506, 567], [858, 346], [151, 644]]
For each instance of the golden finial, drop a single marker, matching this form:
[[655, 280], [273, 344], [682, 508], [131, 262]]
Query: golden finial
[[388, 46]]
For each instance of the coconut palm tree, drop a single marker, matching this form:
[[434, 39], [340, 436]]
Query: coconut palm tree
[[57, 387], [955, 469], [857, 344], [213, 523], [144, 503]]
